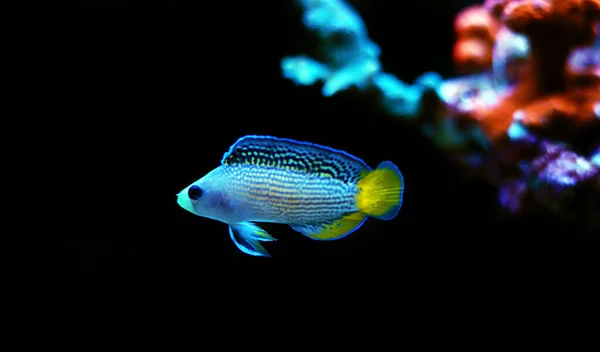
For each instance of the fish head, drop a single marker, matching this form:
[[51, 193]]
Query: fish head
[[208, 198]]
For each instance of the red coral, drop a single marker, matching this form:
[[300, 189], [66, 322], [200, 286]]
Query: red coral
[[577, 106], [554, 28], [475, 29], [475, 21]]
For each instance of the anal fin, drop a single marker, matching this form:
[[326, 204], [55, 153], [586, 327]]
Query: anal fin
[[334, 230], [247, 238]]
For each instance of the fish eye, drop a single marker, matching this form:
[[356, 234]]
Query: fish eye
[[195, 192]]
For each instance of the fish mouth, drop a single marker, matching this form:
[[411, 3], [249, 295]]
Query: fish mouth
[[185, 203]]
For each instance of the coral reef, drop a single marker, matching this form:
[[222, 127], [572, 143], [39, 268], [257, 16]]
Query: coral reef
[[526, 115]]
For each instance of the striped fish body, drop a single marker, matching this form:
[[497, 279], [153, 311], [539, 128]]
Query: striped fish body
[[276, 194], [321, 192]]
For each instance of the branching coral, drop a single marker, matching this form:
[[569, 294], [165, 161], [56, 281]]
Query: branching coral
[[528, 112]]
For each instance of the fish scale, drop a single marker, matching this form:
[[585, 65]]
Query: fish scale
[[283, 196]]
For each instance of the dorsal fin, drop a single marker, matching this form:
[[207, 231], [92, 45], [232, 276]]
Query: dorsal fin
[[295, 156]]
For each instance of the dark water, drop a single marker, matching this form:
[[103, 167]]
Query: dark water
[[158, 91]]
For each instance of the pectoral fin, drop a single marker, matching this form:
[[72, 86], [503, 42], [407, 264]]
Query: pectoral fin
[[334, 230], [247, 238]]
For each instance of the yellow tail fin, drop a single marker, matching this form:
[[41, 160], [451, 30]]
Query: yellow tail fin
[[380, 192]]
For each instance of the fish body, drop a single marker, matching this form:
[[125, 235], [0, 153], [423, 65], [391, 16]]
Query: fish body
[[321, 192]]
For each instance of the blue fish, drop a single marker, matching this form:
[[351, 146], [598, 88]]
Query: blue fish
[[323, 193]]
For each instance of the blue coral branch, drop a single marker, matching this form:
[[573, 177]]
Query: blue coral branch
[[351, 59]]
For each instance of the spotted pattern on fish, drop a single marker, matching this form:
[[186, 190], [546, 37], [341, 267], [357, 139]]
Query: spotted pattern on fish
[[295, 156]]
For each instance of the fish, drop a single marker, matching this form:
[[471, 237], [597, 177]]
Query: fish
[[321, 192]]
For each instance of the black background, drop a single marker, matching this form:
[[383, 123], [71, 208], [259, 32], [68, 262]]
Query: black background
[[147, 98]]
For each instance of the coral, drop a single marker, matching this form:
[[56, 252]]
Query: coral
[[351, 57], [560, 181], [527, 114], [554, 28], [476, 31]]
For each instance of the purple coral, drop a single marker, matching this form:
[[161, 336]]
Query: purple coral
[[558, 180]]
